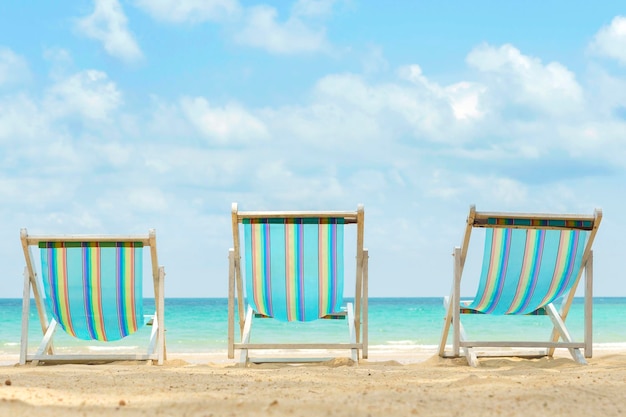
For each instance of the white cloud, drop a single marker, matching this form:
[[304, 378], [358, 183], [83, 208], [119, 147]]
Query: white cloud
[[13, 67], [109, 25], [20, 117], [280, 178], [147, 199], [325, 127], [89, 94], [520, 79], [313, 8], [374, 60], [507, 191], [533, 111], [263, 30], [256, 26], [33, 190], [465, 100], [179, 11], [419, 108], [226, 125], [197, 166], [85, 220], [61, 61], [166, 120], [115, 154], [610, 40], [606, 92]]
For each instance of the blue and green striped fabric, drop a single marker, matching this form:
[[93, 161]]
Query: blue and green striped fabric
[[94, 289], [294, 267], [526, 269]]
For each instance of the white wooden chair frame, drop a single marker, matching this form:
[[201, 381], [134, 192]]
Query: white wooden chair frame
[[356, 314], [156, 351], [453, 304]]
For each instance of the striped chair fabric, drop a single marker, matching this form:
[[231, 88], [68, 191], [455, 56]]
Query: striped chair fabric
[[525, 269], [294, 267], [94, 290]]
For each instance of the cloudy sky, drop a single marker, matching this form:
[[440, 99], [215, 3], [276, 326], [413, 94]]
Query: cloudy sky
[[120, 116]]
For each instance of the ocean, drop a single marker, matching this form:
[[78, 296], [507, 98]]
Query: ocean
[[198, 326]]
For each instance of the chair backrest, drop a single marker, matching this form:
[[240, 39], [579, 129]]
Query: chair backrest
[[93, 285], [294, 262], [529, 260], [94, 290]]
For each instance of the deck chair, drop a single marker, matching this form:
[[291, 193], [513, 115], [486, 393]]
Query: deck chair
[[92, 290], [294, 271], [529, 262]]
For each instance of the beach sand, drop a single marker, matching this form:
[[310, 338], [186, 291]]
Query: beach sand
[[431, 387]]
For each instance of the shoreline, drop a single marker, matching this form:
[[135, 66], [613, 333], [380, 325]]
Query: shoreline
[[409, 354]]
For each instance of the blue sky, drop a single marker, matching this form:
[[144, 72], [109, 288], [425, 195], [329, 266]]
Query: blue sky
[[120, 116]]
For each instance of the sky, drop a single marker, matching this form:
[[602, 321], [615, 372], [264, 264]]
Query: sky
[[121, 116]]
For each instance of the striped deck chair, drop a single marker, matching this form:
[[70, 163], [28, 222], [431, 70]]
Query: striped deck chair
[[92, 290], [294, 272], [529, 262]]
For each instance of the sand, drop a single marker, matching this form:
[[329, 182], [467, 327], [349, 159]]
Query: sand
[[433, 387]]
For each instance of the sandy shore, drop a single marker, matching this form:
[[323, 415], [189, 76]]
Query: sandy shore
[[553, 387]]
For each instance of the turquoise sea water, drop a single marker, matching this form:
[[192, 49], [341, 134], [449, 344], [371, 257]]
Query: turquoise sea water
[[199, 325]]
